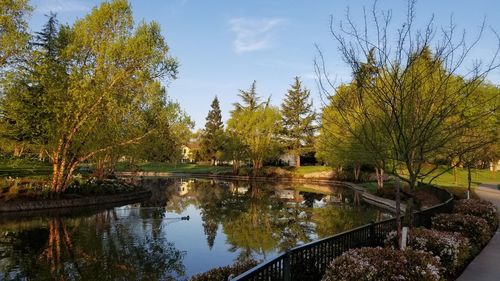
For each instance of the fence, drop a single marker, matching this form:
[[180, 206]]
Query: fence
[[309, 261]]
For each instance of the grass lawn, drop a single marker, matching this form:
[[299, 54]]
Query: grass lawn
[[478, 177], [23, 168], [179, 168], [206, 169], [447, 180], [311, 169], [459, 188]]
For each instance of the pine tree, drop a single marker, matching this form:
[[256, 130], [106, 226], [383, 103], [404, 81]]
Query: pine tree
[[212, 139], [298, 119], [250, 99]]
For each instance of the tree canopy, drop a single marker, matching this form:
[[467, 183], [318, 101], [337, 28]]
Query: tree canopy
[[298, 119]]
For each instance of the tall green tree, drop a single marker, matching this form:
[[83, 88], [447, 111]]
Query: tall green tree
[[111, 68], [24, 109], [417, 99], [234, 149], [213, 134], [257, 130], [13, 29], [298, 119], [250, 99]]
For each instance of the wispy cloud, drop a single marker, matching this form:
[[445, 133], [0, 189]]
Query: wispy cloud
[[58, 6], [253, 34]]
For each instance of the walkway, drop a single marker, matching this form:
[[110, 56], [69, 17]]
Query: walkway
[[486, 266]]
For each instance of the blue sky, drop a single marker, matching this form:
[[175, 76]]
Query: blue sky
[[223, 46]]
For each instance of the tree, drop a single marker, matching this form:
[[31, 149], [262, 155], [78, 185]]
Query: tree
[[24, 98], [212, 136], [234, 149], [13, 29], [258, 131], [255, 127], [480, 138], [298, 119], [250, 99], [341, 147], [171, 129], [415, 99], [111, 70]]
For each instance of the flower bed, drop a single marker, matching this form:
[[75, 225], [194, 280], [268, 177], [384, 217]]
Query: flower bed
[[478, 208], [453, 249], [222, 273], [384, 264], [472, 227]]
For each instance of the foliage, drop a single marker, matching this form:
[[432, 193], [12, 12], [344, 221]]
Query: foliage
[[13, 29], [171, 128], [297, 119], [254, 126], [384, 264], [251, 100], [409, 98], [479, 208], [222, 273], [453, 249], [93, 186], [212, 139], [474, 228], [97, 91]]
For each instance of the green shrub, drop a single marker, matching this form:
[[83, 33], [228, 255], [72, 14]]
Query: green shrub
[[382, 264], [479, 208], [472, 227], [222, 273], [100, 187], [452, 248]]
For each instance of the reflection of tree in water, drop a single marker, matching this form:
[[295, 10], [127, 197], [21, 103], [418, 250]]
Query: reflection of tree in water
[[336, 218], [264, 223], [97, 246], [209, 197]]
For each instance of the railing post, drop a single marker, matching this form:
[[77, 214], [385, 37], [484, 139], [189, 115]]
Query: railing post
[[287, 270], [372, 234]]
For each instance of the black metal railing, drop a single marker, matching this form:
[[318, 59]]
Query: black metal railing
[[309, 261]]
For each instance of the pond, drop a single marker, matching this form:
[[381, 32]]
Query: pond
[[229, 221]]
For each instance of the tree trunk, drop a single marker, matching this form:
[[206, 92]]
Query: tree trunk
[[236, 167], [18, 150], [297, 159], [455, 179], [398, 213], [357, 171], [469, 180], [379, 172], [41, 155]]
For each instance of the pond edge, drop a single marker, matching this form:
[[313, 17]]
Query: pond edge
[[35, 205]]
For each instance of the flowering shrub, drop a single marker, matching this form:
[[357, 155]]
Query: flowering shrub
[[222, 273], [384, 264], [479, 208], [453, 249], [472, 227]]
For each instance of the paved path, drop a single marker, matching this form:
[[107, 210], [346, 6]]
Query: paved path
[[486, 266]]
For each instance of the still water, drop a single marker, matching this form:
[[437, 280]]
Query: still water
[[228, 221]]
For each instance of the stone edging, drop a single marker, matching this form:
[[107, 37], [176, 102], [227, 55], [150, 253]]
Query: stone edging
[[23, 206], [380, 202]]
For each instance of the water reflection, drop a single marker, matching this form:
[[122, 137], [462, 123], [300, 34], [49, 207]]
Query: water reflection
[[229, 221]]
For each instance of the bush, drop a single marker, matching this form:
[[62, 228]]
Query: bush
[[222, 273], [93, 186], [472, 227], [478, 208], [453, 249], [384, 264]]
